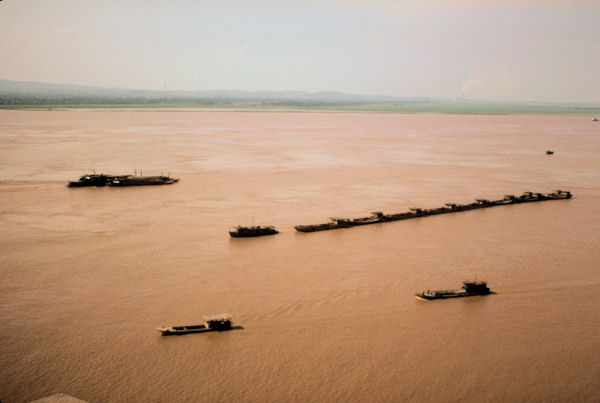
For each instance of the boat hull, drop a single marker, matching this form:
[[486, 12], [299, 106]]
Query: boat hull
[[320, 227], [215, 323], [421, 296], [85, 184], [235, 235], [175, 330]]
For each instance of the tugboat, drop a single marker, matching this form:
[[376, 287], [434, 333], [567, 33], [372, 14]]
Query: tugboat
[[211, 324], [255, 230], [91, 180], [469, 288]]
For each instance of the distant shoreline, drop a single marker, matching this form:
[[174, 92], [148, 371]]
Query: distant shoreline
[[37, 95], [394, 108]]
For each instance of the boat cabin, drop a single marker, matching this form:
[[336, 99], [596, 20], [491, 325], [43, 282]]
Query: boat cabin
[[218, 322], [476, 287], [415, 210], [450, 206]]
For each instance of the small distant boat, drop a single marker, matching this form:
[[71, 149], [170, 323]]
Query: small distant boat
[[469, 289], [594, 119], [214, 323], [255, 230], [549, 152]]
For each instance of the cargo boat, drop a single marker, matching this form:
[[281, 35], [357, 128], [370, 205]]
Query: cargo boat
[[211, 324], [375, 217], [469, 289], [415, 212], [255, 230], [334, 223], [132, 180]]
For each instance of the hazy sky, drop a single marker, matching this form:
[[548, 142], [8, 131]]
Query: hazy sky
[[527, 50]]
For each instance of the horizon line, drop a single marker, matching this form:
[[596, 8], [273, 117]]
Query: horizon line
[[389, 98]]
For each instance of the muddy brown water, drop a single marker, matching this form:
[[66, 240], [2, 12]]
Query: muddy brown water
[[88, 274]]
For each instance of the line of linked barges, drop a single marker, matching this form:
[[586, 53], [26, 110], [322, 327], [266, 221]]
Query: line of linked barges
[[414, 212]]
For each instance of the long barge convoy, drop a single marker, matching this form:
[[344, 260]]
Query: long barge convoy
[[414, 212]]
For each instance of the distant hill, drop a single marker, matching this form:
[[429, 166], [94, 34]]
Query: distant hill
[[47, 90], [25, 94]]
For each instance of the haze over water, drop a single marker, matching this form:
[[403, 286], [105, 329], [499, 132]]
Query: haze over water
[[88, 274]]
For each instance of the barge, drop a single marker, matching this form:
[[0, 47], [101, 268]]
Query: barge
[[132, 180], [334, 223], [414, 212], [214, 323], [469, 289]]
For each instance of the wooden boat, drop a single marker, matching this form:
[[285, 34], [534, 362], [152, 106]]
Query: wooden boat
[[212, 323], [469, 289]]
